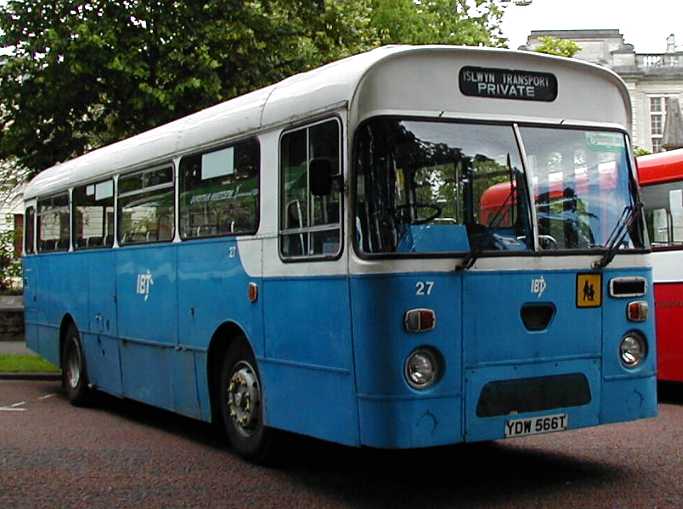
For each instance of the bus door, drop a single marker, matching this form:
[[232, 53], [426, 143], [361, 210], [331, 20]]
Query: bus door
[[307, 317]]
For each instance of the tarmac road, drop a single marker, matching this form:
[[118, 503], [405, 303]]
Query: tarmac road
[[124, 454]]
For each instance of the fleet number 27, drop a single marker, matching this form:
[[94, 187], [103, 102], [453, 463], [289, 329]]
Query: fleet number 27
[[424, 287]]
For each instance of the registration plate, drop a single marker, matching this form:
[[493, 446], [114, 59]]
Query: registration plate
[[535, 425]]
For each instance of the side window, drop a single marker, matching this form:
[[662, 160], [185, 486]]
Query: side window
[[219, 191], [146, 208], [676, 212], [664, 214], [53, 223], [310, 194], [93, 215], [658, 226], [29, 217]]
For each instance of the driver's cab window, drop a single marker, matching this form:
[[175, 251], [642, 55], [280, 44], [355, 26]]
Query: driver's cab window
[[556, 178], [310, 191], [581, 187], [438, 187]]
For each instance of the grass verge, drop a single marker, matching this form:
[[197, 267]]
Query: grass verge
[[10, 363]]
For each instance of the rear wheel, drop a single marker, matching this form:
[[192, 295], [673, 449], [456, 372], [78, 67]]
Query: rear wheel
[[241, 405], [74, 375]]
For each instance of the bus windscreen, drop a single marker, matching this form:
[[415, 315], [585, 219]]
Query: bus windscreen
[[581, 186], [444, 187], [420, 184]]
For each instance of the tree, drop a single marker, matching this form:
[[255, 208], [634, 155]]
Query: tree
[[12, 176], [640, 151], [82, 74], [438, 22], [559, 47]]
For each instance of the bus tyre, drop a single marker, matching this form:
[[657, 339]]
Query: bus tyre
[[241, 401], [74, 376]]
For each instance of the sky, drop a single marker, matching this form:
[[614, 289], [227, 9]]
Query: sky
[[644, 23]]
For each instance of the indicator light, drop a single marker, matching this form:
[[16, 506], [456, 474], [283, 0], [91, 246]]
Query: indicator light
[[419, 320], [253, 292], [636, 311]]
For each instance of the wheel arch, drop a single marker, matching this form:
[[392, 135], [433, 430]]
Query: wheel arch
[[67, 320], [224, 336]]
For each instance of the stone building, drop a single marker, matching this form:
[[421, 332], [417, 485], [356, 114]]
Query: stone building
[[651, 78]]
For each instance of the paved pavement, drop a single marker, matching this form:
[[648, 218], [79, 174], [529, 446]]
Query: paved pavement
[[15, 347], [11, 303], [123, 454]]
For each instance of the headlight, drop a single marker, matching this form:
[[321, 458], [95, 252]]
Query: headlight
[[632, 349], [422, 368]]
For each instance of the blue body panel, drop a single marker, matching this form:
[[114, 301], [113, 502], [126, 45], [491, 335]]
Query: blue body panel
[[147, 322], [100, 334], [627, 394], [307, 366], [31, 271], [499, 347], [212, 290], [482, 338], [331, 350], [391, 413], [494, 332]]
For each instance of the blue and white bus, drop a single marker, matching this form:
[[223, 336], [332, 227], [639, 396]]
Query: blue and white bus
[[410, 247]]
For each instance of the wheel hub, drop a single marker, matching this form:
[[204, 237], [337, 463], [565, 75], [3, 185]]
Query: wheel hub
[[244, 399]]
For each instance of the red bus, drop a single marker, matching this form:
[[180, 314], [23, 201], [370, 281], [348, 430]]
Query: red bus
[[661, 178], [560, 212]]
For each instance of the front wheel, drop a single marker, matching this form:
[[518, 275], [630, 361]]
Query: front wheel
[[241, 400], [74, 375]]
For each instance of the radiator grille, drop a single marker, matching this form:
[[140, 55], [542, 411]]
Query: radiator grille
[[524, 395]]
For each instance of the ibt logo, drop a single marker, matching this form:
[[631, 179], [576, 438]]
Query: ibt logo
[[538, 286], [145, 281]]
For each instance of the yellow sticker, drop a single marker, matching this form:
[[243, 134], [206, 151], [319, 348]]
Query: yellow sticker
[[588, 290]]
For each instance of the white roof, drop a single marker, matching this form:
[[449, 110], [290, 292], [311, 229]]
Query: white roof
[[331, 86]]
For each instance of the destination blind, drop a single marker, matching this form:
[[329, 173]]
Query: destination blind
[[508, 84]]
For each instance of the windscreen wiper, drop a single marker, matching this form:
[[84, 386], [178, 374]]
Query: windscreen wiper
[[469, 260], [475, 252], [624, 223]]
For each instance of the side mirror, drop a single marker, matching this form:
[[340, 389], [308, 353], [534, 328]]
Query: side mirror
[[320, 177]]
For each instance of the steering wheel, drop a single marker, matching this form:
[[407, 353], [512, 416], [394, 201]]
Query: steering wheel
[[548, 242], [424, 220]]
